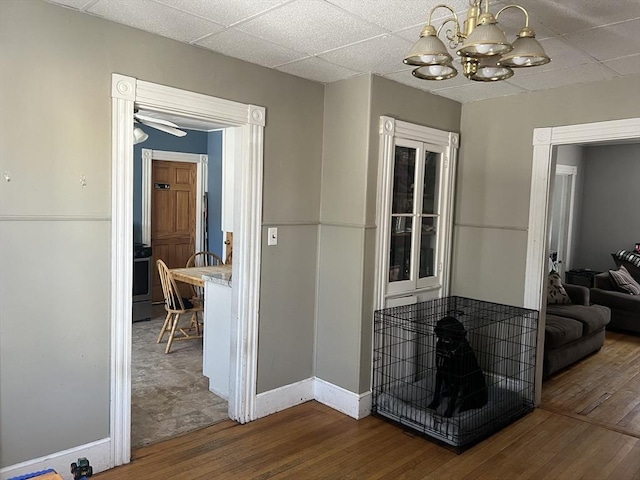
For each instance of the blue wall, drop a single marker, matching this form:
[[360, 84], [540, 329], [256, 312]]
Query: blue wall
[[214, 150], [193, 142]]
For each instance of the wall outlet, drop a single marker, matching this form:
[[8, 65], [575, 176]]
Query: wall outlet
[[272, 236]]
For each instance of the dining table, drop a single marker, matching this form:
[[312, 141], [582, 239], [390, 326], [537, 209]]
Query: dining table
[[193, 275]]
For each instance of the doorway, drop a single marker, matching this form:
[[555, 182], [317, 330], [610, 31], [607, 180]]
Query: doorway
[[177, 182], [170, 395], [173, 217], [127, 91], [544, 142]]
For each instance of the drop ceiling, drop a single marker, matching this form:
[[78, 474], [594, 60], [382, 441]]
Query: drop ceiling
[[332, 40]]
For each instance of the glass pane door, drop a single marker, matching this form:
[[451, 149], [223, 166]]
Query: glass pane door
[[402, 213], [429, 213]]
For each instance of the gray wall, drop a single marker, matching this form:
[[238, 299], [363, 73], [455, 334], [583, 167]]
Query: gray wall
[[342, 233], [610, 217], [55, 78], [494, 177], [348, 232]]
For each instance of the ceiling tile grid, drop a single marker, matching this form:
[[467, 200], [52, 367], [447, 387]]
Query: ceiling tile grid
[[331, 40], [252, 49], [154, 17], [318, 69], [312, 26]]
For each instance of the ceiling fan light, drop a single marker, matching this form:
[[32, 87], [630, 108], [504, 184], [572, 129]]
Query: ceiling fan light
[[428, 50], [527, 52], [487, 39], [435, 72], [139, 135]]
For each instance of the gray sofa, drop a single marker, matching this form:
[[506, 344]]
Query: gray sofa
[[625, 308], [574, 330]]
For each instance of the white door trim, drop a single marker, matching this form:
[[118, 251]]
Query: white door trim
[[202, 187], [125, 92], [566, 223], [544, 139]]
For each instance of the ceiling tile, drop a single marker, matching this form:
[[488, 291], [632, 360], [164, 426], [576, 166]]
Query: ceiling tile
[[226, 12], [474, 91], [317, 69], [310, 26], [329, 40], [559, 78], [573, 15], [611, 41], [79, 4], [153, 17], [389, 52], [395, 16], [626, 65], [235, 43]]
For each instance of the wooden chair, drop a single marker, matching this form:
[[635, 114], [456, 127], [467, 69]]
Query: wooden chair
[[175, 306], [202, 259]]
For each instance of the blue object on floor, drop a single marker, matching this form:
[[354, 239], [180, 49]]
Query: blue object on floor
[[34, 474]]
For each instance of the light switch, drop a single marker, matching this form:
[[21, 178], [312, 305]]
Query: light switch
[[272, 234]]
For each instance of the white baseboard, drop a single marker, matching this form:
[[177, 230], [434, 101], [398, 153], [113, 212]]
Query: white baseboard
[[355, 405], [352, 404], [284, 397], [98, 453]]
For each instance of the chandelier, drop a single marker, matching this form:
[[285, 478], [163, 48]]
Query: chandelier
[[484, 51]]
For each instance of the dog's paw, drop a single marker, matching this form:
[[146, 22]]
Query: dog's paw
[[433, 405], [448, 413]]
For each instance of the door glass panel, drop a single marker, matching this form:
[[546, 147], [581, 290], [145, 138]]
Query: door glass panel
[[428, 239], [400, 254], [430, 190], [403, 180]]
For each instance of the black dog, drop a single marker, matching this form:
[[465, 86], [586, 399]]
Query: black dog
[[457, 369]]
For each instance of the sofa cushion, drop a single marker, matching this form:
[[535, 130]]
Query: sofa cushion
[[624, 282], [560, 331], [556, 294], [592, 317]]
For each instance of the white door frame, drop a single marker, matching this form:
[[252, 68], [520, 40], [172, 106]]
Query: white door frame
[[125, 92], [389, 130], [202, 187], [544, 141], [565, 235]]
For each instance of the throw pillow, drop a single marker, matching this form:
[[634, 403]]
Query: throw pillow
[[556, 294], [622, 279]]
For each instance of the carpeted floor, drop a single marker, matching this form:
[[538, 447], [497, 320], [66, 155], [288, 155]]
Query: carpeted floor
[[169, 394]]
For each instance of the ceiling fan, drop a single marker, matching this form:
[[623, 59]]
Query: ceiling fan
[[166, 126]]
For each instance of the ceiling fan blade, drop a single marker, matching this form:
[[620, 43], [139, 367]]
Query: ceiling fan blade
[[161, 121], [173, 131]]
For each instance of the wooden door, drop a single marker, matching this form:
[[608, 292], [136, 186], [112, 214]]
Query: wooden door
[[173, 217], [229, 248]]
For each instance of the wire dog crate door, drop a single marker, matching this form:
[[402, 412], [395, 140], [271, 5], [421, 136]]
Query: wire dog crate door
[[456, 390]]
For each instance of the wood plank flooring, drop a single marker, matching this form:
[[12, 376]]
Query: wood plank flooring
[[603, 388], [586, 428]]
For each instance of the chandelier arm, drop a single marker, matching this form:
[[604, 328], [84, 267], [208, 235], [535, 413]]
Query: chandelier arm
[[455, 15], [526, 14], [456, 34]]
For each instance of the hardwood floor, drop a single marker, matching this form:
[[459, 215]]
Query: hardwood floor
[[586, 428], [603, 388]]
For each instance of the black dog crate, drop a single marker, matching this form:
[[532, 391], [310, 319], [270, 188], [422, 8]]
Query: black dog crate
[[503, 341]]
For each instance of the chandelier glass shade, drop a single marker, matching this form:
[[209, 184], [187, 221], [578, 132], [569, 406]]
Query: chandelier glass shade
[[484, 50]]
